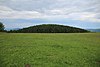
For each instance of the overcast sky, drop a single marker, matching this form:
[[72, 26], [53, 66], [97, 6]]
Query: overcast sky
[[22, 13]]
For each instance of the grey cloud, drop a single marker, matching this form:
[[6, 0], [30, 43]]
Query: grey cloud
[[43, 5], [29, 5], [54, 7]]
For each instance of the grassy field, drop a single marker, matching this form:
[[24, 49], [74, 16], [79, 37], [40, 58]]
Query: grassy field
[[50, 50]]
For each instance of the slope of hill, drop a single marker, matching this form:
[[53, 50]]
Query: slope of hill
[[50, 28]]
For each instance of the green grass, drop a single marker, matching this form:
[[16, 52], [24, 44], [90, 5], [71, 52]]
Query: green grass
[[50, 50]]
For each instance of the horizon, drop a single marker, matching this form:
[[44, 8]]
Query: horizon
[[24, 13]]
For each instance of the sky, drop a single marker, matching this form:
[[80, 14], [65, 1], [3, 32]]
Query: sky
[[24, 13]]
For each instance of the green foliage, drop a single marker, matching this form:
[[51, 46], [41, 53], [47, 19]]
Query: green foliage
[[50, 28], [1, 27], [50, 50]]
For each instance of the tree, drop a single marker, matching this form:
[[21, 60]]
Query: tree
[[1, 27]]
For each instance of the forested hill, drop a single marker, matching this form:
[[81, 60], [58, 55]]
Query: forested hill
[[49, 28]]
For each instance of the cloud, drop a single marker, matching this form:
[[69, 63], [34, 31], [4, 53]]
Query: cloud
[[19, 14], [7, 12], [84, 10], [4, 8], [84, 16]]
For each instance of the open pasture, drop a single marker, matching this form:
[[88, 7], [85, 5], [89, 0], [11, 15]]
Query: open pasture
[[50, 50]]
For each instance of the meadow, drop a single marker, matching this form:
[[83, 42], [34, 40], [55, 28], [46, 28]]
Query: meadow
[[50, 50]]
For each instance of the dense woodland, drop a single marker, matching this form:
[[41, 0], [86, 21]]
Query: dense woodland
[[49, 28]]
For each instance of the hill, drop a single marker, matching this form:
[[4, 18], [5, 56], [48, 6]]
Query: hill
[[49, 28]]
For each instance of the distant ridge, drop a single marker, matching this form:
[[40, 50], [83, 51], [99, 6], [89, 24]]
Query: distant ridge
[[8, 29], [94, 30], [49, 28]]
